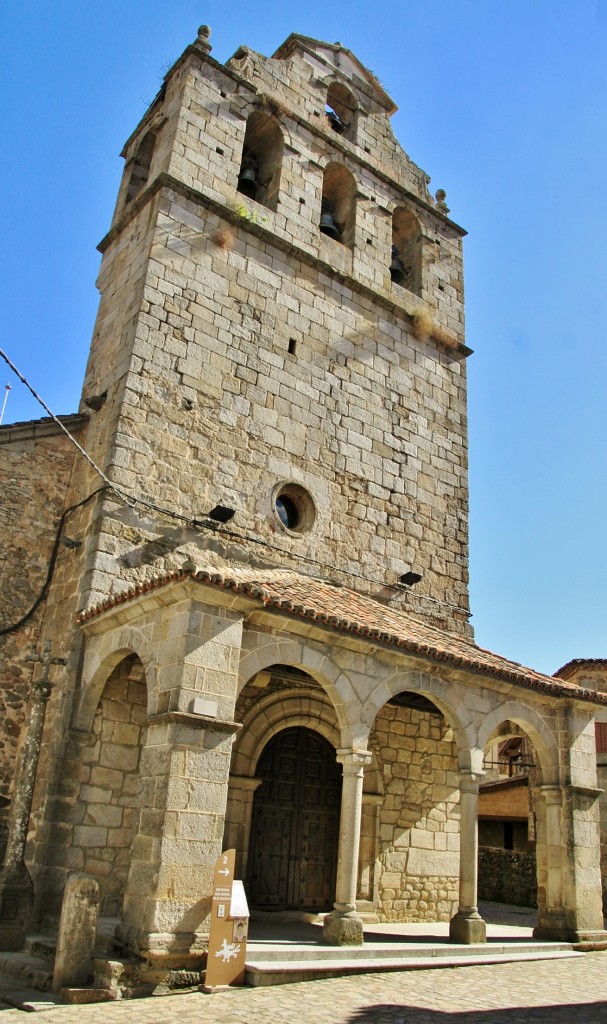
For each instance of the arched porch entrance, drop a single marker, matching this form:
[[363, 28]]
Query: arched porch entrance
[[295, 823]]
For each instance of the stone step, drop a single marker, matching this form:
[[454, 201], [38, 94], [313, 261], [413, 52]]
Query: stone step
[[285, 952], [32, 971], [284, 972], [42, 947], [14, 993]]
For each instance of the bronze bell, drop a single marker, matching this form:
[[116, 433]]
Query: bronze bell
[[397, 268], [247, 179], [328, 225], [335, 122]]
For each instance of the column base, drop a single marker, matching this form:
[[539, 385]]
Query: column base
[[587, 939], [169, 950], [467, 928], [16, 907], [343, 929]]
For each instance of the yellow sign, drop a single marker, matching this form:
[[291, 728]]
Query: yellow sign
[[229, 927]]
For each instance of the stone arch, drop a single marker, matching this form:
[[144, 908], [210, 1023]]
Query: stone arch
[[140, 165], [341, 110], [298, 654], [536, 727], [447, 698], [416, 868], [271, 715], [406, 260], [106, 780], [261, 161], [102, 655], [338, 205]]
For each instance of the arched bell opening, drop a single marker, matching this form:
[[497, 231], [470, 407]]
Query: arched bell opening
[[341, 111], [507, 820], [140, 165], [417, 869], [338, 205], [406, 252], [261, 163]]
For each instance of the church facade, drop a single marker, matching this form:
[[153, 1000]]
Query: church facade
[[258, 577]]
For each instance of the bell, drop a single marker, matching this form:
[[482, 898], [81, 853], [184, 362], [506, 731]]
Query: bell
[[247, 179], [328, 225], [247, 182], [335, 122], [397, 268]]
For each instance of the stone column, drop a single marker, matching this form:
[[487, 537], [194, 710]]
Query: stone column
[[551, 915], [238, 819], [343, 926], [568, 866], [16, 887], [468, 926]]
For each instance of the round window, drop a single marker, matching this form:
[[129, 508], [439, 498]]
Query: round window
[[294, 508]]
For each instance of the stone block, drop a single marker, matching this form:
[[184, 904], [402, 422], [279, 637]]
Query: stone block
[[90, 835]]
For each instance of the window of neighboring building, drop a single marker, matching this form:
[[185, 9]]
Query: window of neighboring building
[[600, 732]]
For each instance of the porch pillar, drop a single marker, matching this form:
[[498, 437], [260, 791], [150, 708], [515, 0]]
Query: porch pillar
[[568, 865], [343, 926], [468, 926], [569, 870], [183, 784], [184, 772]]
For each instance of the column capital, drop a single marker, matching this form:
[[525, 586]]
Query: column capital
[[351, 758], [550, 793], [469, 781]]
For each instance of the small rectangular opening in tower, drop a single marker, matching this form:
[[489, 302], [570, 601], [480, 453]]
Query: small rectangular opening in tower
[[292, 346]]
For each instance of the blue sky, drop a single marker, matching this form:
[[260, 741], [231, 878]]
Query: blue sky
[[504, 105]]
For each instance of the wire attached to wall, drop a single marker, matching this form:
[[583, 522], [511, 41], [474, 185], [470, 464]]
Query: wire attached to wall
[[5, 630], [133, 501]]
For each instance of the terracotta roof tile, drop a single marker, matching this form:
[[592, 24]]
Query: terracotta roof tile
[[573, 666], [345, 610]]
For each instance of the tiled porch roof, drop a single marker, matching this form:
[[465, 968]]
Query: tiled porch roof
[[579, 664], [339, 608]]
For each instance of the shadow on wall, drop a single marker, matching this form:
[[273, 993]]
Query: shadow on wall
[[401, 1013]]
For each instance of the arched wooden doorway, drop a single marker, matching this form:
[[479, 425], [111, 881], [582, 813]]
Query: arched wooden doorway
[[295, 824]]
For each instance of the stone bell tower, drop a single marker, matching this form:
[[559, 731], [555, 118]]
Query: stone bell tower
[[281, 332]]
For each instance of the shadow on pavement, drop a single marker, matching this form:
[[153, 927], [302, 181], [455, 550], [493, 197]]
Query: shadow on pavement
[[588, 1013]]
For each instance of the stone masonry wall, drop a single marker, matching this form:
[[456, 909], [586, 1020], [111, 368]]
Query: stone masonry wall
[[418, 864], [507, 876], [254, 351], [35, 466]]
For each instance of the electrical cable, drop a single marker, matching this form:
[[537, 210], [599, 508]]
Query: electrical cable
[[5, 630], [132, 501], [62, 427]]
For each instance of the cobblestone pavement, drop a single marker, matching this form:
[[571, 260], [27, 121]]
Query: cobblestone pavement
[[545, 992]]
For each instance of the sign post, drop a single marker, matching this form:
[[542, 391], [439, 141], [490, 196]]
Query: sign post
[[229, 927]]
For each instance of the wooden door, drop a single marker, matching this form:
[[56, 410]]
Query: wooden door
[[295, 824]]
